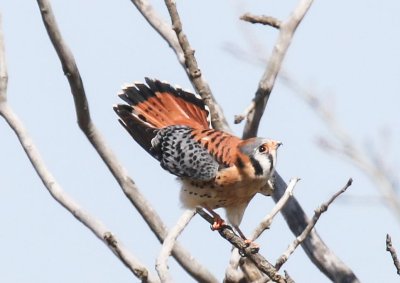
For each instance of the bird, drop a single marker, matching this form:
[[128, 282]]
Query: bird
[[216, 169]]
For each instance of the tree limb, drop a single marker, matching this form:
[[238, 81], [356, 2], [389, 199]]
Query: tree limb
[[169, 242], [128, 186], [286, 33], [300, 239], [202, 88]]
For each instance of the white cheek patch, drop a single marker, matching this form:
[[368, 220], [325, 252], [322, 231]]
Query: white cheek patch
[[266, 163]]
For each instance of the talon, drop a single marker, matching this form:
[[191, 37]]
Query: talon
[[218, 223], [253, 245]]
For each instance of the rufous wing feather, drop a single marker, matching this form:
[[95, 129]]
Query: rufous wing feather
[[161, 105]]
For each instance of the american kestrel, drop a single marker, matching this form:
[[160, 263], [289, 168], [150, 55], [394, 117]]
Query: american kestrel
[[216, 169]]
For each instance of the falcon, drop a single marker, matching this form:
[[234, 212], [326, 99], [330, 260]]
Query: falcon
[[216, 169]]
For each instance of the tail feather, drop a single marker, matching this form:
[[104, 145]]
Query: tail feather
[[141, 132], [160, 105]]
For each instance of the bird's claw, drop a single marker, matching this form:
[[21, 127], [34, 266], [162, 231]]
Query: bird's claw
[[218, 224]]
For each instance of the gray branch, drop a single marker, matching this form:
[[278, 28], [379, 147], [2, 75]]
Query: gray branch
[[287, 29], [169, 242], [193, 71], [128, 186]]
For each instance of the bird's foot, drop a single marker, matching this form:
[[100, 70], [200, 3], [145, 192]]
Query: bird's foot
[[218, 223], [253, 245]]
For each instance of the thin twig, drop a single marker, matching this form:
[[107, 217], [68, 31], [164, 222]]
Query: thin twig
[[130, 189], [392, 251], [245, 249], [267, 221], [267, 81], [317, 214], [264, 20], [192, 69], [169, 242]]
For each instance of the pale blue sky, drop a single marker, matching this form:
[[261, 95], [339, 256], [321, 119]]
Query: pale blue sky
[[348, 50]]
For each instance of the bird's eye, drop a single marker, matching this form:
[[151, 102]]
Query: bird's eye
[[262, 148]]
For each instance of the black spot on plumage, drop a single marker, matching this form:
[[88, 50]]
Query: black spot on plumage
[[258, 170], [141, 117], [182, 156], [206, 145]]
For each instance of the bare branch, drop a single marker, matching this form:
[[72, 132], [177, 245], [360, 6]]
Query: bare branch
[[392, 251], [56, 191], [245, 249], [317, 214], [264, 20], [267, 81], [202, 88], [315, 248], [128, 186], [267, 221], [169, 242]]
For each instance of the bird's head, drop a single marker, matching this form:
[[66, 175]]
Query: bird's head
[[262, 154]]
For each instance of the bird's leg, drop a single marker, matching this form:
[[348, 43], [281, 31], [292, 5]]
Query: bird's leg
[[218, 221]]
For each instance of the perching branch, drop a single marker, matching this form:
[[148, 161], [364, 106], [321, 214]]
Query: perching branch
[[55, 190], [232, 273], [85, 123], [286, 32], [192, 69], [169, 242], [245, 249], [317, 214], [393, 254]]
